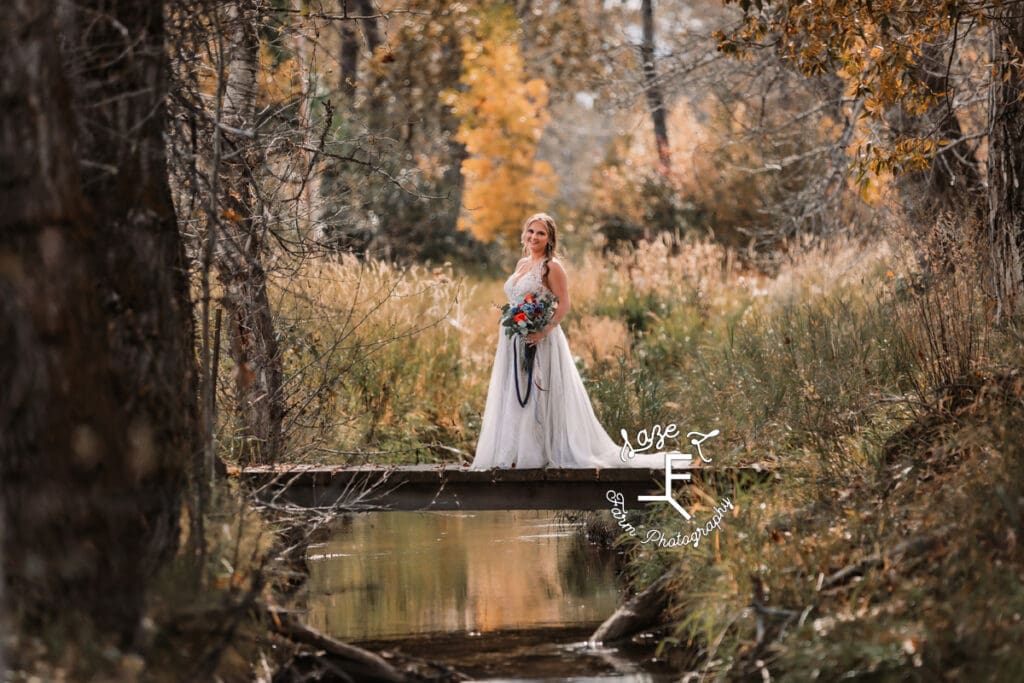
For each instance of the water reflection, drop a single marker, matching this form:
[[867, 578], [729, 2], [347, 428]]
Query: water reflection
[[392, 574]]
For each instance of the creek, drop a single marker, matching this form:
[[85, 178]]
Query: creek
[[500, 595]]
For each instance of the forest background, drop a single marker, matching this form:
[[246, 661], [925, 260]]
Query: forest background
[[273, 232]]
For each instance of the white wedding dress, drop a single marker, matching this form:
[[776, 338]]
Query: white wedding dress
[[557, 427]]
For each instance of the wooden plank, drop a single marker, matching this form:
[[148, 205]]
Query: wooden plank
[[438, 487]]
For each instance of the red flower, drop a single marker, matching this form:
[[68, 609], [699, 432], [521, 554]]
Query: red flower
[[520, 317], [529, 298]]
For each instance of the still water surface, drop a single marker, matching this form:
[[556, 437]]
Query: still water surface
[[504, 595]]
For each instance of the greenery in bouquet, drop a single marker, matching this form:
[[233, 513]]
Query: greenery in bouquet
[[532, 314]]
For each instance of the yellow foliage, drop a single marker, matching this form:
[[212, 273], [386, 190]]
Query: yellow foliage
[[502, 118], [707, 147], [877, 49]]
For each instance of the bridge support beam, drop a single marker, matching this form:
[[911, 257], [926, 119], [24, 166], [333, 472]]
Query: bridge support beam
[[434, 487]]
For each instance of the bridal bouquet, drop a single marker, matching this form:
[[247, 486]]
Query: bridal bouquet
[[532, 314]]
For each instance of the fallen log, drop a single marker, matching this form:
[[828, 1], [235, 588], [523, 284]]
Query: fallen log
[[639, 612], [359, 664]]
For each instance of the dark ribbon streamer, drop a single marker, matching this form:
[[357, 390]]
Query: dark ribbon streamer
[[530, 352]]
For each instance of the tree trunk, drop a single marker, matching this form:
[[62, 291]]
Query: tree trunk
[[350, 40], [952, 183], [239, 260], [349, 57], [655, 100], [98, 414], [308, 176], [366, 9], [378, 112], [1006, 164]]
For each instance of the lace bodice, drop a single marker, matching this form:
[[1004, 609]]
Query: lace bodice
[[515, 289]]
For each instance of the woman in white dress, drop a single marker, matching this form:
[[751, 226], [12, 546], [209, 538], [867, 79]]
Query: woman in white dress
[[557, 426]]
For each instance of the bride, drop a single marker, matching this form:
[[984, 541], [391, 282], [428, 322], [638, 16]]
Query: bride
[[556, 427]]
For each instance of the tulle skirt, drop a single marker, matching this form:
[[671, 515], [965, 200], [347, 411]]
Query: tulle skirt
[[557, 426]]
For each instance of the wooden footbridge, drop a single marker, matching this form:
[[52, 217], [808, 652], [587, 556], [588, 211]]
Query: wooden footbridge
[[448, 487]]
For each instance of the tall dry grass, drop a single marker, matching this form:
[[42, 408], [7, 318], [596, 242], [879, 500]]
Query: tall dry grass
[[893, 407], [373, 360], [394, 363]]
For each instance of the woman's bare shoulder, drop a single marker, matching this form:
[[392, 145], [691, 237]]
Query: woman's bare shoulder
[[555, 265]]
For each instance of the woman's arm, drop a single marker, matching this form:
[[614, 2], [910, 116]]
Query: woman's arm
[[558, 283]]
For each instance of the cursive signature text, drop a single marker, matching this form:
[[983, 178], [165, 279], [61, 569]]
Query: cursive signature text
[[655, 438]]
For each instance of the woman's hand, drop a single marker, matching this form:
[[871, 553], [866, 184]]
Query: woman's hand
[[535, 337]]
